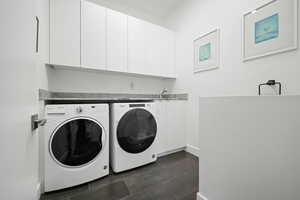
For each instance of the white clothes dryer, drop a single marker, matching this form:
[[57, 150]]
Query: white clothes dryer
[[133, 130]]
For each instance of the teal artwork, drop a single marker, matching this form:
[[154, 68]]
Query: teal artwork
[[267, 29], [204, 52]]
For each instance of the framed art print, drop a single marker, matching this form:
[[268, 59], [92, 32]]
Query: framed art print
[[207, 51], [267, 29], [270, 29]]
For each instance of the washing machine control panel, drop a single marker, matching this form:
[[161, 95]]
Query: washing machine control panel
[[59, 109], [78, 109]]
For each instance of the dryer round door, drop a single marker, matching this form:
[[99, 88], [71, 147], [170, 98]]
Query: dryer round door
[[77, 142], [136, 131]]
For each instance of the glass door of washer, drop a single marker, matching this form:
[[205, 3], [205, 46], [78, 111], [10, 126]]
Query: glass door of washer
[[77, 142]]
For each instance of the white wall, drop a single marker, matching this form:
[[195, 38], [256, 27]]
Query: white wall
[[19, 94], [249, 148], [81, 81], [234, 77], [132, 10]]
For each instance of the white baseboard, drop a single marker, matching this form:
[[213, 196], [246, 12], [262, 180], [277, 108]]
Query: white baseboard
[[201, 197], [170, 152], [38, 191], [193, 150]]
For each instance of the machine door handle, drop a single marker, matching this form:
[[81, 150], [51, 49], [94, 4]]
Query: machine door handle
[[36, 122], [41, 122]]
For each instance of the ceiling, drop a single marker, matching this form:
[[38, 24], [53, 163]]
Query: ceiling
[[155, 8]]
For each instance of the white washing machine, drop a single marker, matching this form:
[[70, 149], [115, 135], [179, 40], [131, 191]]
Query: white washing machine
[[133, 135], [76, 144]]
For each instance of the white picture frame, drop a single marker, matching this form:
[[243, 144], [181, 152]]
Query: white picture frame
[[286, 36], [207, 51]]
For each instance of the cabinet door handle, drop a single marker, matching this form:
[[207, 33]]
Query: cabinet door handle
[[37, 34]]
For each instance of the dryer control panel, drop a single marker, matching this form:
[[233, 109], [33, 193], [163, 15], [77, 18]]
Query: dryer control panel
[[137, 105]]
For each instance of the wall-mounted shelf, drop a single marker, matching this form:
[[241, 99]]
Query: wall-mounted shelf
[[88, 69]]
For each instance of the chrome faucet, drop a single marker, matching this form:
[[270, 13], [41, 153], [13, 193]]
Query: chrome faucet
[[164, 91]]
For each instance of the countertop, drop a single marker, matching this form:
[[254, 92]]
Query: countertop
[[45, 95]]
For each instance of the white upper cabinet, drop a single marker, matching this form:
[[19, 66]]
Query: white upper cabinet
[[85, 34], [167, 56], [151, 49], [161, 51], [137, 46], [116, 41], [65, 32], [93, 35]]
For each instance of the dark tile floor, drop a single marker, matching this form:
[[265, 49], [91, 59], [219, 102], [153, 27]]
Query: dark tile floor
[[173, 177]]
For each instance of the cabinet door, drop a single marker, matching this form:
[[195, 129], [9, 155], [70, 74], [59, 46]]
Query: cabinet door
[[116, 41], [65, 32], [137, 44], [167, 47], [160, 54], [152, 50], [171, 120], [93, 52], [176, 124], [162, 133]]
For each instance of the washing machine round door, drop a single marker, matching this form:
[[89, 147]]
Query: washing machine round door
[[77, 142], [136, 131]]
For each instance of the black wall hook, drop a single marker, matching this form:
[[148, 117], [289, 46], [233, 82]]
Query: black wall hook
[[269, 83]]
